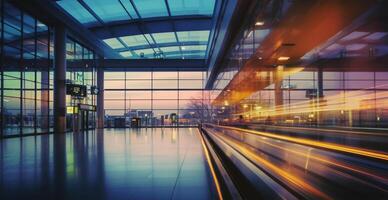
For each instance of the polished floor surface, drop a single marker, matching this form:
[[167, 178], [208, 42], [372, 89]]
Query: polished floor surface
[[154, 163]]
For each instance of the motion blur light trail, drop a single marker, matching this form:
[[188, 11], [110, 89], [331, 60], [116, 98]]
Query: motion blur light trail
[[308, 169], [325, 145], [345, 101]]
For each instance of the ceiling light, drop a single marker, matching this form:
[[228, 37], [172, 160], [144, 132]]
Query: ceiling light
[[259, 23], [281, 58]]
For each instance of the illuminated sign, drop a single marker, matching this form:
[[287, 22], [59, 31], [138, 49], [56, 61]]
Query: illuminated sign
[[71, 110], [76, 90]]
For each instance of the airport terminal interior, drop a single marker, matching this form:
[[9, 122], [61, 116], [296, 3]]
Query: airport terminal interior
[[194, 99]]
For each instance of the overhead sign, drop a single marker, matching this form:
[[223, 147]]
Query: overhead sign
[[87, 107], [76, 90], [71, 110]]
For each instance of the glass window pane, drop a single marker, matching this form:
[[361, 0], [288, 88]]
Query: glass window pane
[[114, 84], [145, 53], [194, 48], [138, 104], [138, 75], [190, 84], [165, 84], [191, 7], [134, 40], [151, 8], [190, 75], [170, 49], [190, 94], [138, 84], [114, 43], [126, 54], [165, 75], [114, 94], [165, 104], [75, 9], [114, 104], [138, 95], [111, 10], [113, 75], [164, 37], [188, 36], [165, 95]]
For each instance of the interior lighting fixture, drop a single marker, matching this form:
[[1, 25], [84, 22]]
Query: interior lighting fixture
[[283, 58], [259, 23]]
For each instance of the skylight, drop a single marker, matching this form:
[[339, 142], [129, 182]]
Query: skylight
[[114, 43], [191, 7], [134, 40], [200, 36], [164, 37], [112, 10], [122, 25], [76, 10], [151, 8]]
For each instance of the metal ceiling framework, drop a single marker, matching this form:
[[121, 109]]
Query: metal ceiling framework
[[91, 35], [137, 25]]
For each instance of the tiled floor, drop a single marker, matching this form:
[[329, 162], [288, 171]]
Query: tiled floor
[[152, 163]]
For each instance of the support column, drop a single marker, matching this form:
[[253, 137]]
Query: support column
[[60, 79], [100, 96], [278, 91]]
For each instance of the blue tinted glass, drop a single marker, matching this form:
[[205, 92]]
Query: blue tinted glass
[[144, 53], [76, 10], [114, 43], [164, 37], [188, 36], [194, 54], [151, 8], [194, 48], [110, 10], [134, 40], [129, 8], [126, 54], [191, 7], [169, 49]]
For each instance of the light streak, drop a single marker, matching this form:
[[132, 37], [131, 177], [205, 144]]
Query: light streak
[[211, 167], [294, 180], [330, 146], [329, 162]]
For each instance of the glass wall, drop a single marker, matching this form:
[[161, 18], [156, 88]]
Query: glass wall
[[156, 98], [348, 99], [26, 66], [341, 83], [81, 70]]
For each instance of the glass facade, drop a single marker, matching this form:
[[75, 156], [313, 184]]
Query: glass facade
[[26, 73], [81, 70], [324, 92], [157, 98]]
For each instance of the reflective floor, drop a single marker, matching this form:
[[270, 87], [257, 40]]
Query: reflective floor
[[115, 164]]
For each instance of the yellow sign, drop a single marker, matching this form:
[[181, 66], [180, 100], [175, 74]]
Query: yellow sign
[[71, 109]]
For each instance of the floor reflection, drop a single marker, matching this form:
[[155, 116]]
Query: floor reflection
[[111, 164]]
